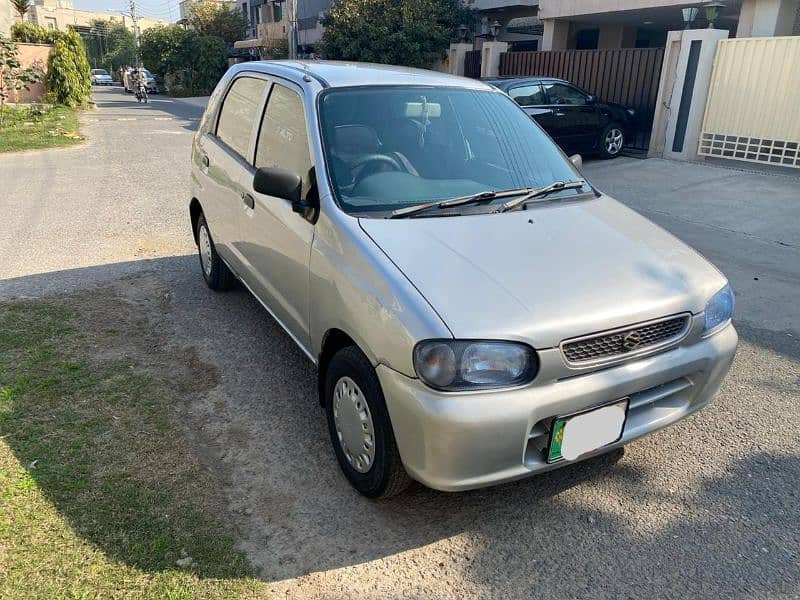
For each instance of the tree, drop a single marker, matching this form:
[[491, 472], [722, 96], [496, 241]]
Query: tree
[[69, 78], [120, 47], [34, 34], [13, 76], [414, 33], [21, 6], [218, 19], [189, 62]]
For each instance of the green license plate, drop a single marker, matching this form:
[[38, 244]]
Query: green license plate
[[577, 434]]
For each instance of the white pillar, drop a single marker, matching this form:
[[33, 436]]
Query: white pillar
[[455, 58], [555, 35], [773, 17], [490, 58], [689, 91]]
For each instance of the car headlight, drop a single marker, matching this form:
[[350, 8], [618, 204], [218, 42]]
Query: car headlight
[[719, 309], [457, 365]]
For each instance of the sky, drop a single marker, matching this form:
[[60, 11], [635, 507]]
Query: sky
[[159, 9]]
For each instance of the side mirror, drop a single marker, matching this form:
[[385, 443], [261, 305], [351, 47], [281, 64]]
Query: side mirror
[[590, 99], [577, 161], [280, 183]]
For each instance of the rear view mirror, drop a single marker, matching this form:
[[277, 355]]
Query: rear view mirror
[[577, 161], [419, 110], [279, 183]]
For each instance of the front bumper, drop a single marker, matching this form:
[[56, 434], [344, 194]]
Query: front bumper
[[460, 441]]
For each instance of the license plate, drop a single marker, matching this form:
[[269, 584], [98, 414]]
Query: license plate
[[574, 435]]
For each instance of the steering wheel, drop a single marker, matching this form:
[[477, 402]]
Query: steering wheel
[[368, 163]]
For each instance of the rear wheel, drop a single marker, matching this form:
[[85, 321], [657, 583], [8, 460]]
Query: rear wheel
[[359, 426], [611, 142], [215, 272]]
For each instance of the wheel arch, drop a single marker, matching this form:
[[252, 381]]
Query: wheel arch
[[333, 341], [195, 210]]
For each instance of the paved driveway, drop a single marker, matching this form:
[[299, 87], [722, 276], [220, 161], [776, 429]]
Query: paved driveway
[[708, 507]]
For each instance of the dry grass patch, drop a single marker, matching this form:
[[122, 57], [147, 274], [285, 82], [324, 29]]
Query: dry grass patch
[[100, 495]]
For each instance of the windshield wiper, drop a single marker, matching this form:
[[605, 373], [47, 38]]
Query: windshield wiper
[[459, 201], [556, 186]]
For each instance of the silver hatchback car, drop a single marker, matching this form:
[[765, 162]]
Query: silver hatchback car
[[477, 311]]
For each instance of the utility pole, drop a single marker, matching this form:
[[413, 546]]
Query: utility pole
[[292, 29], [135, 20]]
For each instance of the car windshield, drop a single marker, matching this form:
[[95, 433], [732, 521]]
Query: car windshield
[[392, 147], [99, 72], [146, 72]]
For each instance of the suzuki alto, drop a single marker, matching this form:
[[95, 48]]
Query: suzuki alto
[[477, 310]]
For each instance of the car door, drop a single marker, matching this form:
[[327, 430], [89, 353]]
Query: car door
[[531, 98], [275, 242], [223, 154], [575, 117]]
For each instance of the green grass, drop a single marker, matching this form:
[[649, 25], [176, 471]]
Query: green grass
[[100, 494], [38, 126]]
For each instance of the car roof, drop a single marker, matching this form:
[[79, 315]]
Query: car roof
[[505, 81], [334, 74]]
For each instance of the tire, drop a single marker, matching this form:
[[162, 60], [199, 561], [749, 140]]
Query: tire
[[215, 272], [611, 141], [383, 476]]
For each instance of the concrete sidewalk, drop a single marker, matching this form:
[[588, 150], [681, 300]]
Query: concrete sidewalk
[[747, 223]]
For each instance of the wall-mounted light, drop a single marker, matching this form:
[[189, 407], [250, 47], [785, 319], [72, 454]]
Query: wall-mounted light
[[689, 15], [463, 30], [712, 12], [494, 29]]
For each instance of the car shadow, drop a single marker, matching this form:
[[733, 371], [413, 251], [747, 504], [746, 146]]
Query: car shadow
[[604, 527]]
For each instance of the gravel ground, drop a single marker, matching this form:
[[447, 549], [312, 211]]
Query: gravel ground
[[708, 507]]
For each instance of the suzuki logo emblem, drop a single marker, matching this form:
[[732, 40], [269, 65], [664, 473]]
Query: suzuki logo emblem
[[631, 341]]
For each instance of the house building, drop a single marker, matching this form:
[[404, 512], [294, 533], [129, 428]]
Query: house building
[[519, 22], [270, 26], [7, 18], [60, 14], [645, 23], [592, 24]]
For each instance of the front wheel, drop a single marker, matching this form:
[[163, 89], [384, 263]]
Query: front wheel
[[359, 426], [611, 142]]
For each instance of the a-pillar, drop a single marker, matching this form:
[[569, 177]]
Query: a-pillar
[[456, 56], [490, 58]]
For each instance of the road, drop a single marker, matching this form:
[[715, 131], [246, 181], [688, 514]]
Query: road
[[709, 507]]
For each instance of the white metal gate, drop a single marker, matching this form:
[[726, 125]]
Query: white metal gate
[[753, 108]]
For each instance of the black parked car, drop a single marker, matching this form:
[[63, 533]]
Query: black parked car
[[576, 120]]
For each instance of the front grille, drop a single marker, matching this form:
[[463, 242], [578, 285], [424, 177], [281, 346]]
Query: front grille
[[621, 342]]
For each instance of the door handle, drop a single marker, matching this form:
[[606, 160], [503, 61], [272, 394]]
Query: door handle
[[248, 200]]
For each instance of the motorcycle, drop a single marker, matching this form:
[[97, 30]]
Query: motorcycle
[[141, 92]]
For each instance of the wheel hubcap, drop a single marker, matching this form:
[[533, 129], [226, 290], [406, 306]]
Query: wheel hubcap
[[204, 242], [614, 141], [354, 426]]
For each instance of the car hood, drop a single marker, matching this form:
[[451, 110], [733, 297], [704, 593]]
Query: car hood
[[557, 270]]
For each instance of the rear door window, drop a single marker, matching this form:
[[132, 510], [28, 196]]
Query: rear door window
[[239, 113], [528, 95]]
